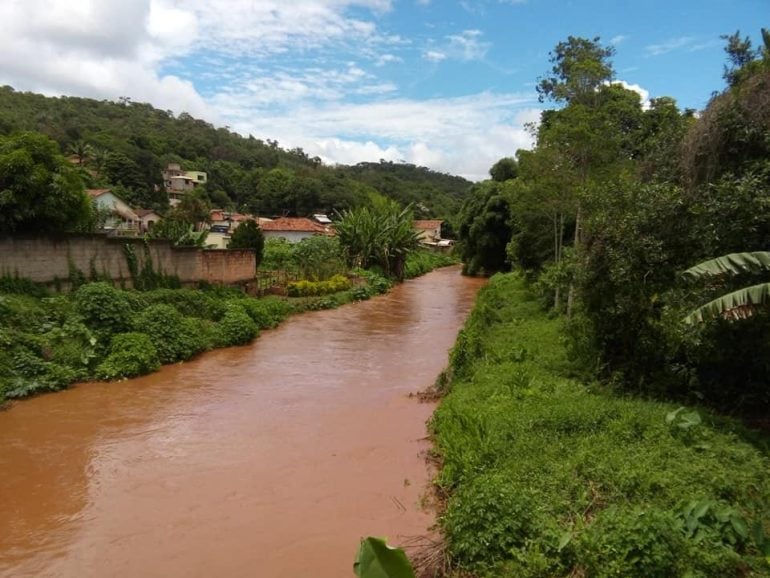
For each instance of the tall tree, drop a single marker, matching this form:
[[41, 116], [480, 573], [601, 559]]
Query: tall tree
[[40, 192]]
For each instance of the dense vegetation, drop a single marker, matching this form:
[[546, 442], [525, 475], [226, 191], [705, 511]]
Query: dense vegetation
[[547, 475], [616, 201], [126, 144]]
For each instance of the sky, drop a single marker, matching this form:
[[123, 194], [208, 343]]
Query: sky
[[447, 84]]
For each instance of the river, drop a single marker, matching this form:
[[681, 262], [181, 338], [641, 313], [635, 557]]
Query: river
[[270, 460]]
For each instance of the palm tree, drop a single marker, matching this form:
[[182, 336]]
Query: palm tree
[[81, 150], [738, 304]]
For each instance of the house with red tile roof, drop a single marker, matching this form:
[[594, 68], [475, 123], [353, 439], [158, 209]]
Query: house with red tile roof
[[293, 229]]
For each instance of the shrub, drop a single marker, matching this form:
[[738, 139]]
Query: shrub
[[104, 308], [189, 302], [312, 288], [130, 354], [173, 335], [632, 542], [236, 327], [487, 519], [266, 312]]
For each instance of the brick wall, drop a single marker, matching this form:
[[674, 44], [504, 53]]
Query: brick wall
[[46, 259]]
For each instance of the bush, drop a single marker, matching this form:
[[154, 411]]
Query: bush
[[173, 335], [104, 308], [313, 288], [130, 354], [189, 302], [236, 327], [266, 312], [488, 519]]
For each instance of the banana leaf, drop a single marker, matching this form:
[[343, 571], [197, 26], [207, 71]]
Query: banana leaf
[[739, 304], [378, 560], [732, 264]]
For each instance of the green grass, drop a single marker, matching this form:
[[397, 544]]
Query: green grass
[[548, 476]]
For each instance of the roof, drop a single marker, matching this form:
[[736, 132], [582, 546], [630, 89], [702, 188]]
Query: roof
[[426, 224], [145, 212], [297, 225], [93, 193]]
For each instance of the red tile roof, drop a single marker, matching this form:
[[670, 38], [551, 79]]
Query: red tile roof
[[426, 225], [298, 225]]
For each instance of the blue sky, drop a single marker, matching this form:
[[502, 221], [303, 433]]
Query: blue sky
[[449, 84]]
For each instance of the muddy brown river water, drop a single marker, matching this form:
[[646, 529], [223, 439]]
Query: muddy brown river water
[[265, 461]]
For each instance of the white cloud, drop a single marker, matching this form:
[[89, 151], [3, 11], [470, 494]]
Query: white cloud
[[434, 55], [468, 45], [615, 40], [668, 45], [463, 135], [384, 59]]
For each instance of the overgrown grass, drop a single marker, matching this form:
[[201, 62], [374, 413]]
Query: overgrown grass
[[422, 261], [548, 476]]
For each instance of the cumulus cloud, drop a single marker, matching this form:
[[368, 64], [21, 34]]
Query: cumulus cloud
[[434, 55]]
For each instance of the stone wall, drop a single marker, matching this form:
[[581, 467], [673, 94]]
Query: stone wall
[[48, 259]]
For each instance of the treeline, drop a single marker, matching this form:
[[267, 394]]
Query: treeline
[[616, 200], [126, 144]]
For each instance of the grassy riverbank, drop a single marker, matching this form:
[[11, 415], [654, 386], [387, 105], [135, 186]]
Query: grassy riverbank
[[49, 341], [548, 476]]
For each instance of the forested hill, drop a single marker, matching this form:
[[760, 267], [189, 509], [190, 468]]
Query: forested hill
[[127, 143]]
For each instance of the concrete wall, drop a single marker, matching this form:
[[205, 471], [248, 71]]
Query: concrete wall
[[46, 259]]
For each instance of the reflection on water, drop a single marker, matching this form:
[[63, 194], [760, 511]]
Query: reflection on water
[[269, 460]]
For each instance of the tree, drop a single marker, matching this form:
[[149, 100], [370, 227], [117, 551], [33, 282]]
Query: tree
[[40, 192], [505, 169], [579, 67], [248, 235], [484, 229]]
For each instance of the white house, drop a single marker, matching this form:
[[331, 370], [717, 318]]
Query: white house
[[120, 218]]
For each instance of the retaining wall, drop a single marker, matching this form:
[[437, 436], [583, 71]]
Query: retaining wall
[[48, 259]]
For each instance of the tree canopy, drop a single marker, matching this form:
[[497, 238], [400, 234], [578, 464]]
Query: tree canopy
[[40, 192]]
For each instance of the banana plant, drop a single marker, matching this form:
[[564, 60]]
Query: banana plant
[[738, 304], [376, 559]]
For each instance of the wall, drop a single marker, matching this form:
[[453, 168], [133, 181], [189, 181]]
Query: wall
[[46, 259]]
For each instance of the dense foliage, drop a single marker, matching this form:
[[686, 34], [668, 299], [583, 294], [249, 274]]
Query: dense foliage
[[379, 236], [615, 201], [548, 476], [40, 192], [125, 144]]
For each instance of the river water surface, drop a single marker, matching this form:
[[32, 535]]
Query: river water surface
[[267, 461]]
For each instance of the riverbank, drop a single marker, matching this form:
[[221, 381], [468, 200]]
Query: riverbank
[[99, 332], [547, 476]]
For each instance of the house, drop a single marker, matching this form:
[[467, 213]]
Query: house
[[119, 218], [292, 229], [222, 224], [428, 231], [178, 182], [147, 219]]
